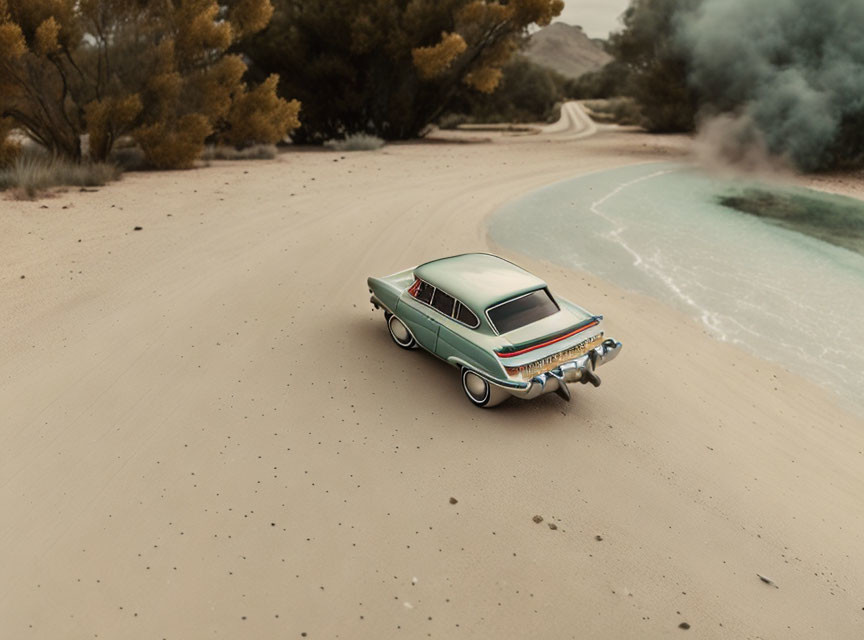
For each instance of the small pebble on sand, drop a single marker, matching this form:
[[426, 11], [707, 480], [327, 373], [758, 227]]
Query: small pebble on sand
[[453, 501], [537, 519]]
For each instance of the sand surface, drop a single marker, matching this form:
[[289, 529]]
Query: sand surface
[[206, 432]]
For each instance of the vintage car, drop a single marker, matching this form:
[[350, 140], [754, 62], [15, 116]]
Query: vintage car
[[500, 325]]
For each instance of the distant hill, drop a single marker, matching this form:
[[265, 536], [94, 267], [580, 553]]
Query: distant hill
[[566, 49]]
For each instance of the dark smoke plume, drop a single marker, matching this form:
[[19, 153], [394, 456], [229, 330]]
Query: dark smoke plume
[[791, 72]]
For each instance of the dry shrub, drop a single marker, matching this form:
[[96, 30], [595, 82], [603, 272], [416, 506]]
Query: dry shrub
[[174, 147], [34, 172], [161, 72], [109, 119], [260, 115], [129, 158], [433, 61]]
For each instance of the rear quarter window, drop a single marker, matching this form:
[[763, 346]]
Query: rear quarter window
[[466, 316], [424, 292]]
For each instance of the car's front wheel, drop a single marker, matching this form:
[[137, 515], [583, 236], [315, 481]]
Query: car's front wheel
[[399, 332], [480, 392]]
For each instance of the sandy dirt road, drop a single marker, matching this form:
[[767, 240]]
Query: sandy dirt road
[[573, 124], [207, 433]]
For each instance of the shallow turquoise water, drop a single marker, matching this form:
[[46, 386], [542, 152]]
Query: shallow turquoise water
[[658, 229]]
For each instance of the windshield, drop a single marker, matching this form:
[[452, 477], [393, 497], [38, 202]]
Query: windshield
[[521, 311]]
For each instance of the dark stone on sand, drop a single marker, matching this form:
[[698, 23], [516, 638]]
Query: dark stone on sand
[[453, 501], [137, 229], [552, 526], [684, 625], [537, 519], [598, 538]]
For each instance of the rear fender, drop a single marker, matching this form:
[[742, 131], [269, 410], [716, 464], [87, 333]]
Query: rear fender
[[387, 290]]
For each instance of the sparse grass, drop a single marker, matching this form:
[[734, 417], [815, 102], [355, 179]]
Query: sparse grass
[[356, 142], [835, 219], [35, 172], [255, 152], [616, 110]]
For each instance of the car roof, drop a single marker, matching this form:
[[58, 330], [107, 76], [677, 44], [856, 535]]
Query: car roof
[[478, 279]]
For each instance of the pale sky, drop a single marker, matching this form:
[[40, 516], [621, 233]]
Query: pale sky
[[596, 17]]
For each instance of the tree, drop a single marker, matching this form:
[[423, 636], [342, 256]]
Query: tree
[[611, 81], [657, 64], [159, 71], [527, 93], [388, 67]]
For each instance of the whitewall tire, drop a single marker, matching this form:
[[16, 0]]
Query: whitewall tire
[[480, 392], [400, 333]]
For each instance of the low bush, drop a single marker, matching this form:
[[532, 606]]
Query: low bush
[[255, 152], [34, 172], [611, 81], [129, 158], [624, 111], [356, 142]]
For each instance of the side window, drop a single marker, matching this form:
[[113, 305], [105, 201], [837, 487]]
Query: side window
[[443, 302], [465, 316], [422, 291]]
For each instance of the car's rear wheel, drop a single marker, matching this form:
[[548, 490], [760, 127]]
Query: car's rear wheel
[[399, 332], [480, 392]]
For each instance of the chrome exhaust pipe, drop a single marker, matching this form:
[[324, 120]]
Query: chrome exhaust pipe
[[582, 370]]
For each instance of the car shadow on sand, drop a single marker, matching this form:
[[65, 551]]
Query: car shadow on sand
[[434, 385]]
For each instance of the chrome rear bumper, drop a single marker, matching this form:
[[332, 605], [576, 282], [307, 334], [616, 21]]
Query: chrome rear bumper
[[581, 369]]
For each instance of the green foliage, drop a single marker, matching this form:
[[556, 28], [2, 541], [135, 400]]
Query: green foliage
[[527, 93], [656, 64], [612, 81], [388, 68]]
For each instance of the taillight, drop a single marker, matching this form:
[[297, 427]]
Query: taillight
[[414, 288]]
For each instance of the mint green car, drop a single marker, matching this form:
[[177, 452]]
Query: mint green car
[[497, 323]]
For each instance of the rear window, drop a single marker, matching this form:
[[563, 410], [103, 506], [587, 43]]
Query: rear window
[[513, 314]]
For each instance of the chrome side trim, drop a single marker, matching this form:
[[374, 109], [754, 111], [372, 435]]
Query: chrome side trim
[[510, 385]]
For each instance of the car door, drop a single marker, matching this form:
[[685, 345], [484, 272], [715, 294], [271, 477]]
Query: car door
[[455, 340]]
